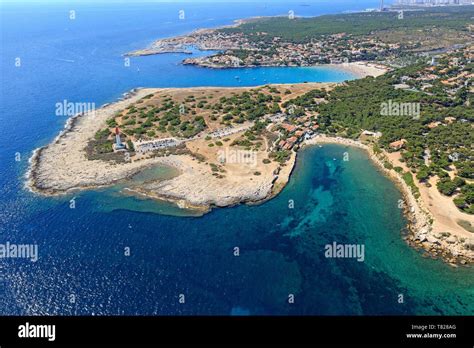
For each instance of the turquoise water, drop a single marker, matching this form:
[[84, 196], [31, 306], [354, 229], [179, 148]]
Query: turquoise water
[[124, 196], [281, 253], [81, 250]]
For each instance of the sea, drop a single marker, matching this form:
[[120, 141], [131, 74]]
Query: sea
[[103, 252]]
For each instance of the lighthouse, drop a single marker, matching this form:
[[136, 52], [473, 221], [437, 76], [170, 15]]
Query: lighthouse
[[118, 146]]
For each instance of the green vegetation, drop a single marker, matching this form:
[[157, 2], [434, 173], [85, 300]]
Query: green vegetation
[[387, 165], [408, 178], [101, 142], [304, 29], [307, 102], [169, 116], [247, 106], [111, 123], [357, 106], [252, 139], [280, 156], [467, 226], [365, 36], [130, 145], [447, 186], [101, 147], [184, 119]]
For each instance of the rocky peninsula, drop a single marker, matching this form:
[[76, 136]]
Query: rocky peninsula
[[221, 165], [206, 178]]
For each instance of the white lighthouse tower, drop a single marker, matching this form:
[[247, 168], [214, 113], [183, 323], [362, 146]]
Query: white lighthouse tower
[[118, 146]]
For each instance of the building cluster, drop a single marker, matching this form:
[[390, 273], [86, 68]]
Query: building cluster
[[450, 73], [222, 41], [201, 40], [224, 132], [291, 135], [432, 2], [153, 145], [239, 50]]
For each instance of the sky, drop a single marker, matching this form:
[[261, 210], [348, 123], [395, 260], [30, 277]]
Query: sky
[[176, 1]]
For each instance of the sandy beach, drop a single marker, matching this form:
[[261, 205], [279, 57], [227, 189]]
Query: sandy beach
[[358, 69], [433, 218], [181, 44], [361, 69]]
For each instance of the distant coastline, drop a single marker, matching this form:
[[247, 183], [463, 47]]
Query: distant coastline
[[63, 166]]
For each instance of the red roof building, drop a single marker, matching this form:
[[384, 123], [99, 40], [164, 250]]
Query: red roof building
[[289, 127]]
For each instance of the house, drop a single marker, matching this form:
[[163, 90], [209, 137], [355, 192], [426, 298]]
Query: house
[[454, 157], [288, 127], [299, 134], [397, 145], [433, 124], [447, 82], [292, 140], [450, 119], [372, 134], [401, 86]]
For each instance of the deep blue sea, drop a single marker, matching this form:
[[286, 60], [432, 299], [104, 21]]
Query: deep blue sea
[[82, 268]]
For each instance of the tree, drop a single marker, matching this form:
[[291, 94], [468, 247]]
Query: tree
[[423, 174], [130, 145], [446, 186]]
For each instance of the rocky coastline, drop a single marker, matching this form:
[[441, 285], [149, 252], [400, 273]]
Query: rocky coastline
[[62, 167]]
